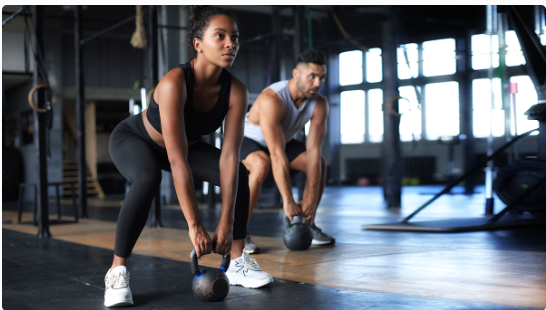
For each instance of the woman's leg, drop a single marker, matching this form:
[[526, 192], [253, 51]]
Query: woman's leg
[[137, 162]]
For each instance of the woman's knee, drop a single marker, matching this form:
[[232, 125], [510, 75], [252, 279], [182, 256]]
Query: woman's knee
[[150, 178]]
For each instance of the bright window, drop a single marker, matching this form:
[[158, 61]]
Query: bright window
[[439, 57], [481, 50], [350, 68], [514, 54], [374, 67], [525, 98], [481, 104], [409, 108], [442, 109], [405, 72], [352, 117], [375, 111]]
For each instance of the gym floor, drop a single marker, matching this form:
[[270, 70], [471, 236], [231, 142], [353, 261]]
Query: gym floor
[[365, 269]]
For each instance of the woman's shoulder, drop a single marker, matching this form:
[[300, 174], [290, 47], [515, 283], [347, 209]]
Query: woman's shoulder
[[174, 78], [237, 86]]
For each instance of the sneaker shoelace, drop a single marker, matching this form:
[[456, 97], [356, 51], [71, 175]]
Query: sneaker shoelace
[[119, 280], [249, 262]]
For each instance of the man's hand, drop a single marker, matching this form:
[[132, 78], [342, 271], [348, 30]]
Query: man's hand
[[308, 210], [201, 241], [291, 209], [222, 239]]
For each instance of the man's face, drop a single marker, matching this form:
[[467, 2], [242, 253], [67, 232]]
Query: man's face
[[310, 78]]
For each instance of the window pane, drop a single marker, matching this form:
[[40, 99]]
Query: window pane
[[439, 57], [350, 68], [481, 49], [352, 116], [525, 98], [442, 109], [481, 104], [410, 123], [375, 110], [514, 54], [374, 68], [413, 58]]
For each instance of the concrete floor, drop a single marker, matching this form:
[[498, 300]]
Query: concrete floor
[[365, 269]]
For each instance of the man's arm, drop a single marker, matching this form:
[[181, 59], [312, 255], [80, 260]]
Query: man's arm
[[315, 140], [271, 111]]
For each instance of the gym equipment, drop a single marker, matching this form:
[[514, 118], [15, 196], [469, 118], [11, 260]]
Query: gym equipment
[[298, 235], [515, 179], [458, 225], [211, 284]]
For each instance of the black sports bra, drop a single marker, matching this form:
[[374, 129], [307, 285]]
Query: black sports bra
[[197, 124]]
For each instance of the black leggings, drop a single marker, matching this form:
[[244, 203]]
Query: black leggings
[[140, 160]]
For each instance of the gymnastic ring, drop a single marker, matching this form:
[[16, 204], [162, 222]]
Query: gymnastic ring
[[31, 101], [388, 105], [149, 96]]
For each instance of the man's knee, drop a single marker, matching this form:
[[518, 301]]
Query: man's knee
[[261, 165]]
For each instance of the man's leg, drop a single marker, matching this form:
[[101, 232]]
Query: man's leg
[[258, 165], [300, 164]]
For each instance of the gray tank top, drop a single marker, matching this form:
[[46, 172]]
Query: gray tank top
[[293, 120]]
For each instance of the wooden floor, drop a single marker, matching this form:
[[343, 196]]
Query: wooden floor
[[500, 267]]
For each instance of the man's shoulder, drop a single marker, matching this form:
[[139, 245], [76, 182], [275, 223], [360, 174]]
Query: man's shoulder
[[278, 86], [270, 96]]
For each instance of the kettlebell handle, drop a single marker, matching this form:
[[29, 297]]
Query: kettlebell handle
[[296, 220], [196, 270]]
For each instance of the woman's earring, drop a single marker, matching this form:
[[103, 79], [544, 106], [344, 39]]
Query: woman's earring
[[199, 51]]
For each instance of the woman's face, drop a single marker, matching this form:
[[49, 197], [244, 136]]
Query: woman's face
[[220, 42]]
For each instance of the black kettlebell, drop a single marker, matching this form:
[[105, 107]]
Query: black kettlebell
[[211, 284], [298, 235]]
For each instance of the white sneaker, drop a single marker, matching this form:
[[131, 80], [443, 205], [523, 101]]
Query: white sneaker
[[246, 272], [250, 246], [117, 292]]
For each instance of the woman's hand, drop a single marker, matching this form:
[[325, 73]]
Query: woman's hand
[[222, 239], [201, 241]]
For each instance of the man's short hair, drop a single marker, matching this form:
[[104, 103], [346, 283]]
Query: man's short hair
[[313, 56]]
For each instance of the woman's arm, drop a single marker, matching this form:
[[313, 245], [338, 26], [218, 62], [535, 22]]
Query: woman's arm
[[171, 92], [229, 164]]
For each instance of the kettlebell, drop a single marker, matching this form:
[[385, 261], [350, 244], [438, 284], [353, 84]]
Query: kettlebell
[[298, 235], [211, 284]]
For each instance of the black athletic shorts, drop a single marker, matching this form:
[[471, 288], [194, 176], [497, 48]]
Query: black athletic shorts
[[292, 149]]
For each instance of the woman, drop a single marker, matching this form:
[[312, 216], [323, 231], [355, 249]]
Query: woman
[[190, 101]]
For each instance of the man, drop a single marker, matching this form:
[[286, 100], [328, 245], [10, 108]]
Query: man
[[276, 116]]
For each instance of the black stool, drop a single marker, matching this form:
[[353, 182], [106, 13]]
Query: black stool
[[57, 185]]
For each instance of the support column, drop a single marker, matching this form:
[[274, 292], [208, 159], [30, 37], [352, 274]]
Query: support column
[[465, 95], [80, 112], [153, 62], [40, 128], [391, 148], [334, 117]]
